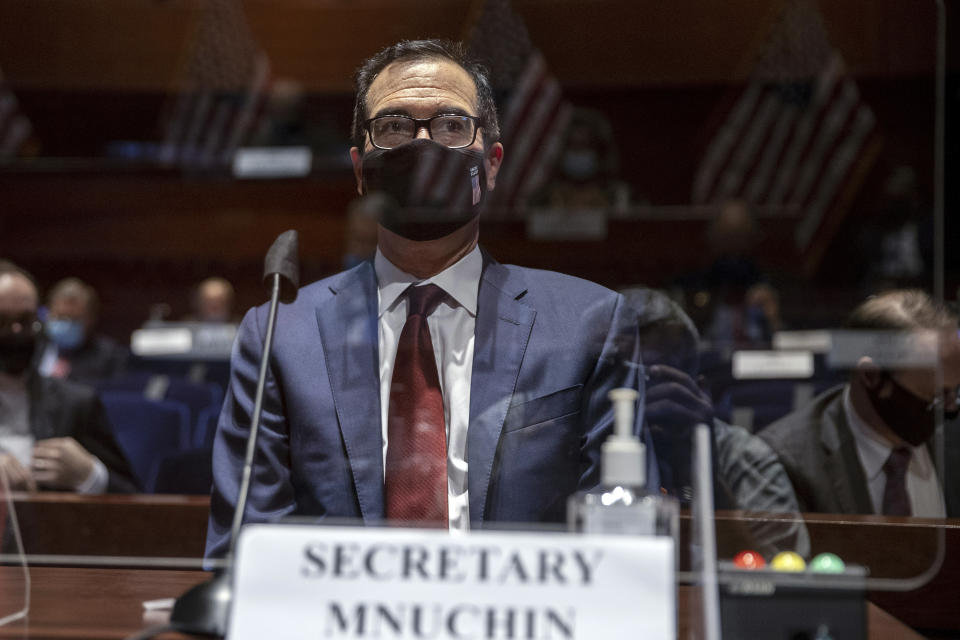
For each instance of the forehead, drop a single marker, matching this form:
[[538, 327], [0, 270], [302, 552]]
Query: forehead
[[422, 88], [68, 303], [214, 290], [16, 294], [950, 358], [947, 343]]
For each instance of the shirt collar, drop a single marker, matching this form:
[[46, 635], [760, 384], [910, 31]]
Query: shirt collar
[[874, 449], [461, 281]]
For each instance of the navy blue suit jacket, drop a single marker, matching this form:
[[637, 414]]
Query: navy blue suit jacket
[[547, 349]]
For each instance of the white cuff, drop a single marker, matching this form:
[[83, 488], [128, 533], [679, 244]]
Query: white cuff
[[97, 481]]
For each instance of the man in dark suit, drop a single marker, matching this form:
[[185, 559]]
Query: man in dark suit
[[864, 447], [75, 350], [54, 434], [508, 403]]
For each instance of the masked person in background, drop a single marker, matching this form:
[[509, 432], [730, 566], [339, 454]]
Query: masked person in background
[[864, 447], [73, 349], [747, 475], [431, 384], [54, 434]]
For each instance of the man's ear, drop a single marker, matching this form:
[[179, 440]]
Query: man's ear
[[491, 164], [871, 376], [356, 158]]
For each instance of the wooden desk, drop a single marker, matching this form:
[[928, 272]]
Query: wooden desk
[[175, 527], [106, 604], [119, 525], [91, 603]]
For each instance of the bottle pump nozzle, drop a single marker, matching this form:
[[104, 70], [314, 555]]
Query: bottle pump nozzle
[[623, 455]]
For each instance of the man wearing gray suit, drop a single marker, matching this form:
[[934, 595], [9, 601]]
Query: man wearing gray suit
[[864, 447]]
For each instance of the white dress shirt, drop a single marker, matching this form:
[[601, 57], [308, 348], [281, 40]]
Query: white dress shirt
[[452, 333], [17, 439], [873, 449]]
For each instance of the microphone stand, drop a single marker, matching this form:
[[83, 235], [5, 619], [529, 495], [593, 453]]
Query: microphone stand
[[205, 608]]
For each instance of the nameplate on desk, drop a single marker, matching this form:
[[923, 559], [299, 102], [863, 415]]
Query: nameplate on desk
[[294, 581], [754, 365], [200, 340]]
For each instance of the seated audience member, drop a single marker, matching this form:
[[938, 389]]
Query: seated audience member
[[863, 447], [73, 350], [586, 175], [740, 307], [747, 474], [54, 434], [213, 301]]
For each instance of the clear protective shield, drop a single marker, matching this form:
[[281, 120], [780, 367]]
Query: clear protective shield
[[737, 210], [15, 586]]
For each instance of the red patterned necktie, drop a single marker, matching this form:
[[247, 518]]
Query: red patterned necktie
[[896, 500], [415, 485]]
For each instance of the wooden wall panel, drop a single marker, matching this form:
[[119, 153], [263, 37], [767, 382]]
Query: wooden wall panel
[[139, 45]]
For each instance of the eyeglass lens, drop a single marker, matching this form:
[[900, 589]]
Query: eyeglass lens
[[449, 130], [20, 323]]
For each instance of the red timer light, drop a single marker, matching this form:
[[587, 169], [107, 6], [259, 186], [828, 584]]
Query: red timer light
[[749, 560]]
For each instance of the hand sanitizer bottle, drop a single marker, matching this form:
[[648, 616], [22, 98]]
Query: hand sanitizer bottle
[[621, 504]]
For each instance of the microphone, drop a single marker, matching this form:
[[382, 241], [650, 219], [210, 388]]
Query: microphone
[[283, 260], [204, 609]]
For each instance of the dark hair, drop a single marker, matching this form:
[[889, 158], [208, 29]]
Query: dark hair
[[76, 288], [419, 50], [901, 310]]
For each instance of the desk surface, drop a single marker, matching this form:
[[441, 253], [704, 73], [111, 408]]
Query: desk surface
[[91, 603], [175, 527], [107, 603]]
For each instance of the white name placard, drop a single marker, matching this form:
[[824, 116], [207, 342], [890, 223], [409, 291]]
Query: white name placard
[[314, 582], [752, 365], [272, 162]]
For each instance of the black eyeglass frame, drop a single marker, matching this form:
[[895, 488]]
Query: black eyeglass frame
[[27, 324], [940, 400], [424, 123]]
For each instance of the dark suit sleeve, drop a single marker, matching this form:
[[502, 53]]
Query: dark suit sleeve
[[272, 494], [95, 434], [619, 365]]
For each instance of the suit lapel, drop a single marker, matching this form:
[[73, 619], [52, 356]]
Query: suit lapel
[[500, 339], [847, 479], [45, 402], [348, 331]]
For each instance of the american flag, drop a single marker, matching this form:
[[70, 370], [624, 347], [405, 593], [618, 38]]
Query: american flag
[[798, 138], [534, 115], [15, 128], [226, 85]]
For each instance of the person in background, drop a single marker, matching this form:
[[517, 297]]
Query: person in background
[[747, 474], [54, 434], [213, 301], [738, 307], [74, 350], [864, 446], [586, 174]]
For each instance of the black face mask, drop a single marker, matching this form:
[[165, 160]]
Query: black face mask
[[910, 417], [431, 190], [16, 353]]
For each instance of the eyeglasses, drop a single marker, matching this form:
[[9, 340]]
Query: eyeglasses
[[940, 400], [25, 323], [451, 130]]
